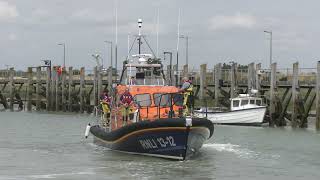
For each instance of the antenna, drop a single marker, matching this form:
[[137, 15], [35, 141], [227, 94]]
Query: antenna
[[178, 37], [116, 46], [128, 46], [158, 32]]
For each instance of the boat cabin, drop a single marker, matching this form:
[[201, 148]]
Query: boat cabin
[[245, 101]]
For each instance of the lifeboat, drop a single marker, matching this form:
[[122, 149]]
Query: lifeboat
[[155, 125]]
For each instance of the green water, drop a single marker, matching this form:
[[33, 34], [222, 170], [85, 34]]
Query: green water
[[52, 146]]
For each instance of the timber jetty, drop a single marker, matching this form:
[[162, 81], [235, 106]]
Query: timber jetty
[[291, 94]]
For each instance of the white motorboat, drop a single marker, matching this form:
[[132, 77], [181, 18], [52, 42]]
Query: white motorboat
[[244, 110]]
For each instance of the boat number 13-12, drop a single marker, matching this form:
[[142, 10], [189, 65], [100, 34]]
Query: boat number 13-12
[[152, 143]]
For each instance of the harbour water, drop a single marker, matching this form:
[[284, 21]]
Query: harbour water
[[52, 146]]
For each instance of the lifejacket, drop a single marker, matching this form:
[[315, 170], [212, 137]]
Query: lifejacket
[[126, 98], [189, 90], [105, 99]]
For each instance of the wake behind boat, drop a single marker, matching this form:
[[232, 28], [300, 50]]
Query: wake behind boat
[[146, 115]]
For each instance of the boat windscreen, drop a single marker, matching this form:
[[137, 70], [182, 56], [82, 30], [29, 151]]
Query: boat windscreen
[[177, 99], [162, 100], [142, 100]]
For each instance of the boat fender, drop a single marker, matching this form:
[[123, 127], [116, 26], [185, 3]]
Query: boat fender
[[188, 121], [86, 133]]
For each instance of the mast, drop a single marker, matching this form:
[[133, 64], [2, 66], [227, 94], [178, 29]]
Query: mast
[[139, 39], [158, 12], [178, 38]]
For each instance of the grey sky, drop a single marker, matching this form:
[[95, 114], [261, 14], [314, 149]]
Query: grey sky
[[219, 31]]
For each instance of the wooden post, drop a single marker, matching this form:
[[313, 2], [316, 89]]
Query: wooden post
[[95, 87], [70, 89], [186, 71], [251, 77], [11, 88], [203, 82], [38, 87], [217, 77], [53, 89], [258, 78], [294, 88], [99, 80], [82, 89], [48, 82], [233, 80], [318, 97], [29, 89], [174, 75], [63, 90], [110, 79], [168, 77], [57, 92], [272, 91]]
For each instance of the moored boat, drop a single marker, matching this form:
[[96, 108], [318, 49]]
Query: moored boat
[[154, 125], [245, 110]]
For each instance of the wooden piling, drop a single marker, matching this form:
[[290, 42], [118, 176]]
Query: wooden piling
[[258, 78], [29, 89], [318, 97], [110, 79], [57, 91], [53, 89], [203, 81], [294, 89], [82, 89], [48, 82], [273, 87], [63, 90], [217, 77], [169, 75], [95, 86], [233, 79], [38, 87], [251, 77], [11, 88], [70, 79], [99, 80], [174, 75], [185, 71]]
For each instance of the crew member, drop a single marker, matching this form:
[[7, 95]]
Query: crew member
[[105, 102], [187, 89], [126, 100]]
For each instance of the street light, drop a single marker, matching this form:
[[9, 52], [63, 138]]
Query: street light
[[110, 42], [187, 39], [270, 33], [64, 53]]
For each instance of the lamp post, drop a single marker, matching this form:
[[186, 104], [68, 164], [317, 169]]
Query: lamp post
[[270, 33], [187, 48], [110, 42], [64, 53], [170, 65]]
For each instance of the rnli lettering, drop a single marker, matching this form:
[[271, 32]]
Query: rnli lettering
[[153, 143]]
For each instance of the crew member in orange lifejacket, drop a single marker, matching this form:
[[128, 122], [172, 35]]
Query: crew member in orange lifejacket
[[126, 100]]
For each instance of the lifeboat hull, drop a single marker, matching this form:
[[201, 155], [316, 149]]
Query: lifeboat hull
[[166, 138]]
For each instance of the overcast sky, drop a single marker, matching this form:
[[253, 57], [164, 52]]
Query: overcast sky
[[218, 30]]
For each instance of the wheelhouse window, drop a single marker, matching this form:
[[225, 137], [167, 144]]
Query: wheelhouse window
[[252, 101], [235, 103], [244, 102], [258, 102], [161, 100], [177, 99], [143, 100]]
